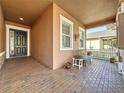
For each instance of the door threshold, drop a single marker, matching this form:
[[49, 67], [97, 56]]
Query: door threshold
[[18, 57]]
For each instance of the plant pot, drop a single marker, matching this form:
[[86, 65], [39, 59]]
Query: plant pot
[[112, 60], [68, 65]]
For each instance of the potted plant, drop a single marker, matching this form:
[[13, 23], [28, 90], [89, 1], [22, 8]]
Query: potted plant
[[112, 60], [89, 53], [68, 65]]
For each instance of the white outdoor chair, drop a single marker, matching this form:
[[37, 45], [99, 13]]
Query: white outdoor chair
[[77, 62]]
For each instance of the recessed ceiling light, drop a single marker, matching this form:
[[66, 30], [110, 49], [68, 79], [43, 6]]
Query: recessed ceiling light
[[20, 18]]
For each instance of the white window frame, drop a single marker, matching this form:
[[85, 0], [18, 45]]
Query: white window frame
[[82, 30], [62, 18]]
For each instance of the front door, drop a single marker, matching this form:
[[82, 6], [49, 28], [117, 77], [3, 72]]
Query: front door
[[18, 43]]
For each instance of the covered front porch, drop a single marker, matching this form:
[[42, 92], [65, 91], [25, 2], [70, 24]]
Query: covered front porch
[[25, 75], [35, 43]]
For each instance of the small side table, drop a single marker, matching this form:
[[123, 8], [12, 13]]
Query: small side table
[[77, 62]]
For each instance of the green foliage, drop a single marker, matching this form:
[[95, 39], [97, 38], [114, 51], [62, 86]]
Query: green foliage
[[113, 58]]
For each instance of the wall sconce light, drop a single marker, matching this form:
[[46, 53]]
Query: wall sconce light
[[76, 36]]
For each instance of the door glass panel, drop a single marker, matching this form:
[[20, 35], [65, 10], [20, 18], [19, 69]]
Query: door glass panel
[[11, 43], [19, 40]]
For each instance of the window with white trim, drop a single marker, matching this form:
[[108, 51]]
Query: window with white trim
[[66, 34], [81, 38]]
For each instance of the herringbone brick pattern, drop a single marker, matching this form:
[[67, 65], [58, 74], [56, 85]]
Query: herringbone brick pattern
[[25, 75]]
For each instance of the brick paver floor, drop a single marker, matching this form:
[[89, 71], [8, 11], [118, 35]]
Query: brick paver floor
[[25, 75]]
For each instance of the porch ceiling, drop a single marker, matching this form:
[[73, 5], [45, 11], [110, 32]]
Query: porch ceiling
[[88, 12], [30, 10]]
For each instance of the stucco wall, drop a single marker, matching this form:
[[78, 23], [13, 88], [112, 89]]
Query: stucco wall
[[45, 38], [2, 38], [61, 57], [16, 24], [121, 31], [2, 31], [42, 38]]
